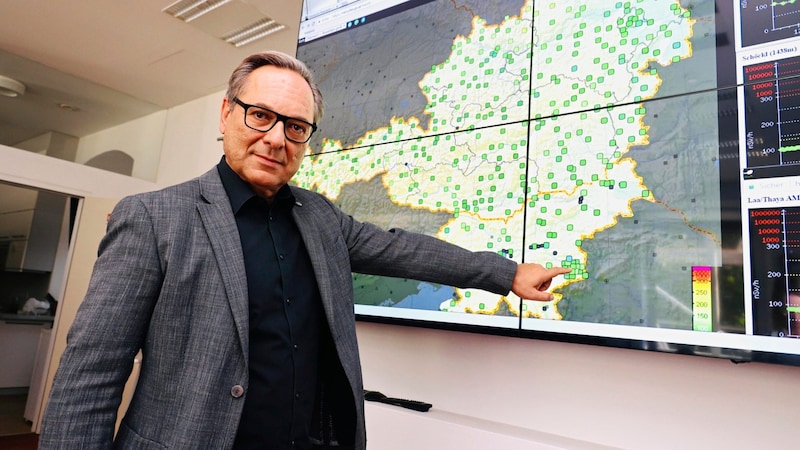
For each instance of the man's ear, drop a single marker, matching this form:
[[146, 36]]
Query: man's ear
[[224, 113]]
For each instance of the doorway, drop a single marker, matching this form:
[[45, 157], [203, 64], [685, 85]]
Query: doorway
[[35, 233]]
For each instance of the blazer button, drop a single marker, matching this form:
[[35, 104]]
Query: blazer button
[[237, 391]]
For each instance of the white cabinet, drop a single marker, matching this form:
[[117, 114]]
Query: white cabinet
[[16, 253], [34, 234], [33, 405], [19, 343], [15, 225], [17, 204]]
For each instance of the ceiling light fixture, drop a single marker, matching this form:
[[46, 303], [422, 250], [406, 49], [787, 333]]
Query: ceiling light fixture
[[188, 10], [10, 87], [250, 33]]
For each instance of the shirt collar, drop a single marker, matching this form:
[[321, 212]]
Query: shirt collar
[[239, 192]]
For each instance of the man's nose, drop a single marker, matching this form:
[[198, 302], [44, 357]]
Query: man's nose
[[276, 134]]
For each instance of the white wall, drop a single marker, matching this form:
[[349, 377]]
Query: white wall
[[142, 139], [190, 140], [622, 398]]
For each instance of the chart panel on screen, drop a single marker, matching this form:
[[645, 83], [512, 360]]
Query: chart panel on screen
[[605, 136]]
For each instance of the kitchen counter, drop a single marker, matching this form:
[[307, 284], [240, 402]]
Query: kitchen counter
[[26, 319]]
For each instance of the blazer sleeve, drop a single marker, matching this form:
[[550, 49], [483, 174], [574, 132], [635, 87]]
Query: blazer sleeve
[[400, 253], [106, 335]]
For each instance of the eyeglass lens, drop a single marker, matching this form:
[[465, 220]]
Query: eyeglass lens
[[262, 119]]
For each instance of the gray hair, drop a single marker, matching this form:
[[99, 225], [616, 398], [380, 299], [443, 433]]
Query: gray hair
[[277, 59]]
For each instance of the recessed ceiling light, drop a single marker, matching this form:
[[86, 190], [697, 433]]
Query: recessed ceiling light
[[10, 87], [188, 10], [252, 32]]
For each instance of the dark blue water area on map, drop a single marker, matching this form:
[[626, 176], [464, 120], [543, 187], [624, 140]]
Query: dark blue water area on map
[[430, 296]]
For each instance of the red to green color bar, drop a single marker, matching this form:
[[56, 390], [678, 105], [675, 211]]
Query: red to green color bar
[[701, 298]]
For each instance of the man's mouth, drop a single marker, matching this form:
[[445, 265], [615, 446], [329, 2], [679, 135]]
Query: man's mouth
[[266, 159]]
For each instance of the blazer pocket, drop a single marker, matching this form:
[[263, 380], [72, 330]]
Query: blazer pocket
[[128, 439]]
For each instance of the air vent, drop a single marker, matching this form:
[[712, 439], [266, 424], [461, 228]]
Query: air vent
[[188, 10], [250, 33]]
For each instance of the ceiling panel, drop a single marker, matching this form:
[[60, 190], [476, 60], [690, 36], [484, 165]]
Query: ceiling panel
[[116, 61]]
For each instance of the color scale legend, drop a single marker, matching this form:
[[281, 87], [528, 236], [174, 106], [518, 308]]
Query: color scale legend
[[701, 298]]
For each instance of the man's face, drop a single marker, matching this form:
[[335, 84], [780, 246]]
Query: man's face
[[266, 160]]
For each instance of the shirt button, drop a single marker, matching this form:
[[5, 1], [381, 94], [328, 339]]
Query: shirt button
[[295, 346], [280, 256], [237, 391], [288, 300], [297, 395]]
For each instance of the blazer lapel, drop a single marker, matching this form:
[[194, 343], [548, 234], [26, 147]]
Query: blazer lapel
[[217, 217]]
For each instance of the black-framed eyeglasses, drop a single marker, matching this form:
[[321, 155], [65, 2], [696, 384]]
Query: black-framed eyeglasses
[[262, 119]]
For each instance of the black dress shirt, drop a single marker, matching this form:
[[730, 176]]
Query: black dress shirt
[[286, 320]]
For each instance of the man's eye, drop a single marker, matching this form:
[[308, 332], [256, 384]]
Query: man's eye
[[260, 115]]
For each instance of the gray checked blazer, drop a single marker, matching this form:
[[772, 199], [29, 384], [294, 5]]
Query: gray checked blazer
[[170, 280]]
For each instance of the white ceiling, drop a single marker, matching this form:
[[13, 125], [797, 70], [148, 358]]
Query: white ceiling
[[118, 60]]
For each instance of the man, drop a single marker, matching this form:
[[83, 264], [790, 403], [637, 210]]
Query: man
[[237, 289]]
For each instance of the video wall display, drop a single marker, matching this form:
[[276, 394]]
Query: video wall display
[[652, 146]]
